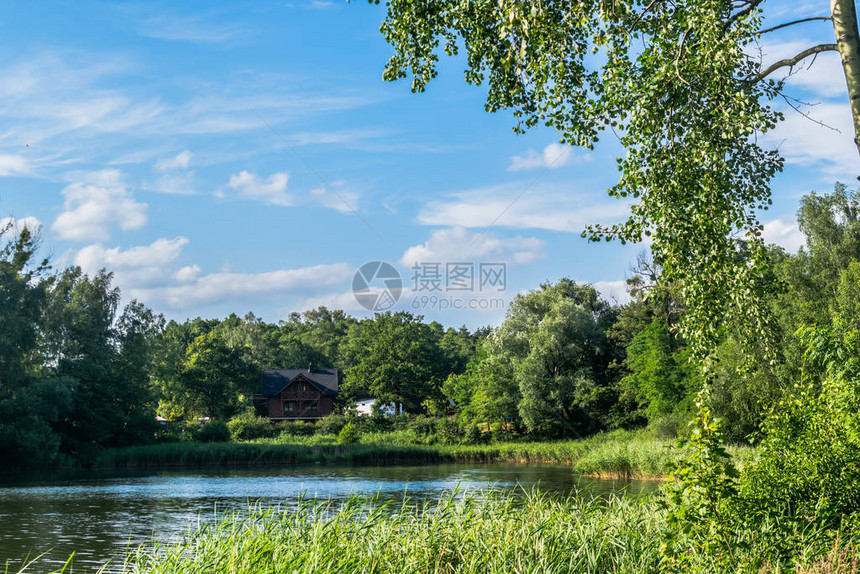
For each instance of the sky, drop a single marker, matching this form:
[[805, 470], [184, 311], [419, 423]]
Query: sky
[[247, 157]]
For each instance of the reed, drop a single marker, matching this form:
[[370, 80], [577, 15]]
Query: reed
[[617, 455], [486, 533]]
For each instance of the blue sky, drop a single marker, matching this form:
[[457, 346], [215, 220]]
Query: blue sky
[[137, 136]]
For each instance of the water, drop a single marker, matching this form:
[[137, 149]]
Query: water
[[98, 515]]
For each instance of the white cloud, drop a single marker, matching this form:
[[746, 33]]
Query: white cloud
[[272, 190], [182, 160], [150, 273], [13, 165], [345, 200], [16, 225], [808, 144], [229, 286], [181, 183], [77, 106], [553, 156], [459, 244], [784, 233], [187, 274], [97, 204], [551, 207], [136, 266], [178, 28], [613, 291]]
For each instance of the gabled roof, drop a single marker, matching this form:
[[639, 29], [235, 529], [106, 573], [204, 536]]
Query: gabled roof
[[275, 380]]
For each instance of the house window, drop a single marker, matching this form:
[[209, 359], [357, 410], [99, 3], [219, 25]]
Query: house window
[[289, 407], [314, 406]]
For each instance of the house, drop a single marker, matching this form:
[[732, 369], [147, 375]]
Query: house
[[364, 408], [299, 394]]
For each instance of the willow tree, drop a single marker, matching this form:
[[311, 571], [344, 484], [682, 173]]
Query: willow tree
[[677, 82]]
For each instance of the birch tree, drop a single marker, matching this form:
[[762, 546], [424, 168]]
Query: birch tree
[[678, 83]]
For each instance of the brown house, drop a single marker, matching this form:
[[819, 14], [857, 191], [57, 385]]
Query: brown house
[[298, 394]]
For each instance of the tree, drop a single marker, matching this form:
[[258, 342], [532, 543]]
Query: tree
[[487, 391], [662, 377], [30, 403], [213, 378], [396, 358], [675, 82], [554, 338]]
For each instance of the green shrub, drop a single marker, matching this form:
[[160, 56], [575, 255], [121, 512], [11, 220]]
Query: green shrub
[[331, 424], [422, 425], [349, 434], [809, 461], [249, 426], [296, 428], [213, 431], [473, 435]]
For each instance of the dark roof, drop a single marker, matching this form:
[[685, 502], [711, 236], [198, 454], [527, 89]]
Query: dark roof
[[275, 380]]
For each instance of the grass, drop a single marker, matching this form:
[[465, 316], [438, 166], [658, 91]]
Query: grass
[[621, 454], [495, 533]]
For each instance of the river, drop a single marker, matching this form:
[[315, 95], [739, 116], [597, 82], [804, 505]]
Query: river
[[98, 515]]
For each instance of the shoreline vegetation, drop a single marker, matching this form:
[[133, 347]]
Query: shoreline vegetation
[[489, 533], [617, 455]]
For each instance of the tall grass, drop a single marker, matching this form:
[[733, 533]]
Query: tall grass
[[620, 454], [496, 533]]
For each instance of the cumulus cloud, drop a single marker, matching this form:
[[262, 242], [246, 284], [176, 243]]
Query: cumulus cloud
[[785, 233], [552, 156], [551, 207], [228, 286], [153, 274], [146, 264], [13, 165], [187, 274], [272, 190], [460, 244], [181, 160], [96, 205]]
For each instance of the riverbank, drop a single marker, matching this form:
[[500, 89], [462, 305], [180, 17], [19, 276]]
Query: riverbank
[[612, 455], [496, 534]]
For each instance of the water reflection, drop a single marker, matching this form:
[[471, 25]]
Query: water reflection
[[98, 515]]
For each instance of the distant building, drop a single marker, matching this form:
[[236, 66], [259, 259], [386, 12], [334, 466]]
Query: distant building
[[364, 408], [298, 394]]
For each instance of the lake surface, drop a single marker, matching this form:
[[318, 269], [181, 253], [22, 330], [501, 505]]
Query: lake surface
[[98, 515]]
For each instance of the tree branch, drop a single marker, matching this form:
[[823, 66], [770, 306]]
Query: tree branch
[[792, 62], [801, 21], [749, 7]]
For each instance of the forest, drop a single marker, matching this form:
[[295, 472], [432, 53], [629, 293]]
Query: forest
[[79, 374]]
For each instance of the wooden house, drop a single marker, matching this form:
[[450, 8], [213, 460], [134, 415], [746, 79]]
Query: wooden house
[[299, 394]]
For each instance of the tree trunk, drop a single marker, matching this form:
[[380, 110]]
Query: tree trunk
[[848, 40]]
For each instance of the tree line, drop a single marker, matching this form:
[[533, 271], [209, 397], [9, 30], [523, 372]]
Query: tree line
[[78, 373]]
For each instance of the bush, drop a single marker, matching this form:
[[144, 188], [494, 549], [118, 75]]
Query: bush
[[349, 434], [447, 431], [249, 426], [473, 435], [213, 431], [422, 425], [296, 428], [331, 424]]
